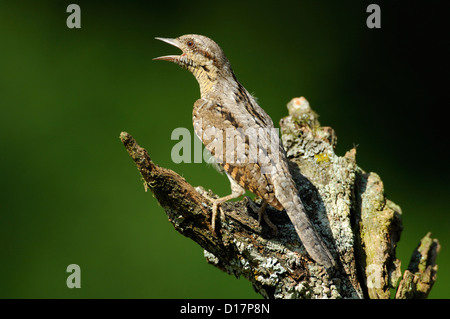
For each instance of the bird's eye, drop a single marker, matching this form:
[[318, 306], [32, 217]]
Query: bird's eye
[[190, 43]]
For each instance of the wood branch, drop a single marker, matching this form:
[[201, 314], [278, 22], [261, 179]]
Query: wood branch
[[420, 276], [347, 205]]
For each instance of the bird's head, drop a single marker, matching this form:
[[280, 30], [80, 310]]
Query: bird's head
[[199, 54]]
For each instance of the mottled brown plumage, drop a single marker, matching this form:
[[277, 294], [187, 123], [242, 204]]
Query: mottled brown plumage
[[240, 135]]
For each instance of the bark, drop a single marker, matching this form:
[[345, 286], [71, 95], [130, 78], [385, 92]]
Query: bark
[[346, 204]]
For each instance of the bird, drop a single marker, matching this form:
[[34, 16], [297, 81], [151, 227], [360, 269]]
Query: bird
[[240, 136]]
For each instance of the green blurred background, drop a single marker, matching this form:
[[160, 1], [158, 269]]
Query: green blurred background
[[71, 194]]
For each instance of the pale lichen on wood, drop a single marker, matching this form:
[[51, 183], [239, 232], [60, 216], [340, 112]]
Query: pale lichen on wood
[[347, 205], [379, 226]]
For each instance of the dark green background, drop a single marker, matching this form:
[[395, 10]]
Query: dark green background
[[71, 194]]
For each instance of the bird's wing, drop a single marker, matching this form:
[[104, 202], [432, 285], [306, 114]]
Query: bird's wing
[[241, 152]]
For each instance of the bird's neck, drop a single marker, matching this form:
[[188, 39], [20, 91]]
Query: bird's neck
[[212, 79]]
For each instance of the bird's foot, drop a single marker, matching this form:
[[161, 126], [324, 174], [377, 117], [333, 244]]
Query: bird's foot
[[261, 211], [216, 207]]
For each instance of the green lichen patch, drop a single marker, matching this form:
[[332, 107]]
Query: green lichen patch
[[321, 158]]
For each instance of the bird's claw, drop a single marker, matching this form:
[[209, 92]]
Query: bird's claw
[[216, 206], [261, 211]]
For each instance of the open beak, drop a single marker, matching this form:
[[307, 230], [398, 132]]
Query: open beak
[[175, 43]]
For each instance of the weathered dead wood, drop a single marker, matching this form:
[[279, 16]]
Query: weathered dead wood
[[347, 205]]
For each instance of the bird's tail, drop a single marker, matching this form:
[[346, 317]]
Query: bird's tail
[[311, 240]]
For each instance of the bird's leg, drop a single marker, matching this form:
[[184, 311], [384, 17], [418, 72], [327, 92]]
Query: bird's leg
[[261, 211], [236, 191]]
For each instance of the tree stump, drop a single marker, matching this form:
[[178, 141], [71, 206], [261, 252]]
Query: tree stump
[[347, 205]]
